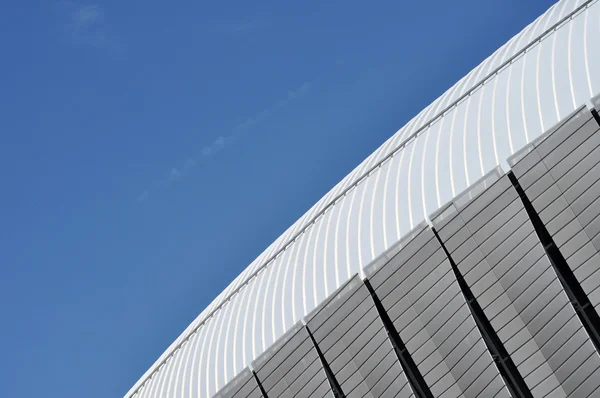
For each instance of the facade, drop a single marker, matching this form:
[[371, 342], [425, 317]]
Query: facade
[[460, 259]]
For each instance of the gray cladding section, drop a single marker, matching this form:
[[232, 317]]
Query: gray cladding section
[[354, 342], [418, 290], [490, 237], [495, 247], [560, 173], [292, 368], [243, 386], [596, 102]]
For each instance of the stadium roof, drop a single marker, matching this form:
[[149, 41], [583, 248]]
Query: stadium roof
[[507, 101]]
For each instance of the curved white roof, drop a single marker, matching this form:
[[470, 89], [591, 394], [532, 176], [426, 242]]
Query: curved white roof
[[500, 106]]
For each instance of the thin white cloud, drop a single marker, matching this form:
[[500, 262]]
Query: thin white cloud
[[299, 91], [86, 15], [222, 141], [86, 25], [143, 196], [215, 147], [175, 175], [189, 164]]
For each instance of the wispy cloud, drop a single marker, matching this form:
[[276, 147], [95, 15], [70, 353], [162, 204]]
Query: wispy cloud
[[143, 196], [177, 174], [86, 15], [86, 25], [220, 143]]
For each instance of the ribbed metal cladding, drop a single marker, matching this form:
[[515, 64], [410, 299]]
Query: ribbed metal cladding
[[419, 292], [292, 368], [581, 303], [536, 79], [243, 386], [488, 238], [506, 366], [495, 246], [336, 388], [414, 376], [353, 340], [560, 174]]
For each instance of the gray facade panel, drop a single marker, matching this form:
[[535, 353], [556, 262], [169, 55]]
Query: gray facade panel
[[354, 342], [546, 72], [292, 368], [535, 315], [569, 168], [432, 318], [243, 386], [488, 233]]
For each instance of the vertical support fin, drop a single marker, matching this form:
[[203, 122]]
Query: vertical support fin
[[414, 376], [507, 368], [580, 301], [335, 386], [260, 386], [596, 116]]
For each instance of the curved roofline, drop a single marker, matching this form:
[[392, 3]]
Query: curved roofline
[[174, 347]]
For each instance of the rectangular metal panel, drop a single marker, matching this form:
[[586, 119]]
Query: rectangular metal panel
[[431, 316], [565, 193], [520, 294], [242, 386], [291, 368], [586, 165], [353, 341]]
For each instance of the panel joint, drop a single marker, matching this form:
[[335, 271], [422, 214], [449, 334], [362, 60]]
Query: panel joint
[[335, 386], [260, 386], [414, 376], [508, 370], [579, 300], [594, 113]]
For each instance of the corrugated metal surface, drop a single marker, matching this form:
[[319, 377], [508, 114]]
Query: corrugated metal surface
[[480, 306], [540, 76], [495, 247]]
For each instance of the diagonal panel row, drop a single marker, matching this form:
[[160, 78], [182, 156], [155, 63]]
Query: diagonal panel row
[[489, 235], [353, 340], [243, 385], [495, 247], [291, 368], [560, 174], [418, 290]]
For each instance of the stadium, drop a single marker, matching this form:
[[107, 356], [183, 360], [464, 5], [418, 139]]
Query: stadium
[[460, 259]]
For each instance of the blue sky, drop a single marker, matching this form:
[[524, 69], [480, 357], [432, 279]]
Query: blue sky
[[151, 150]]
